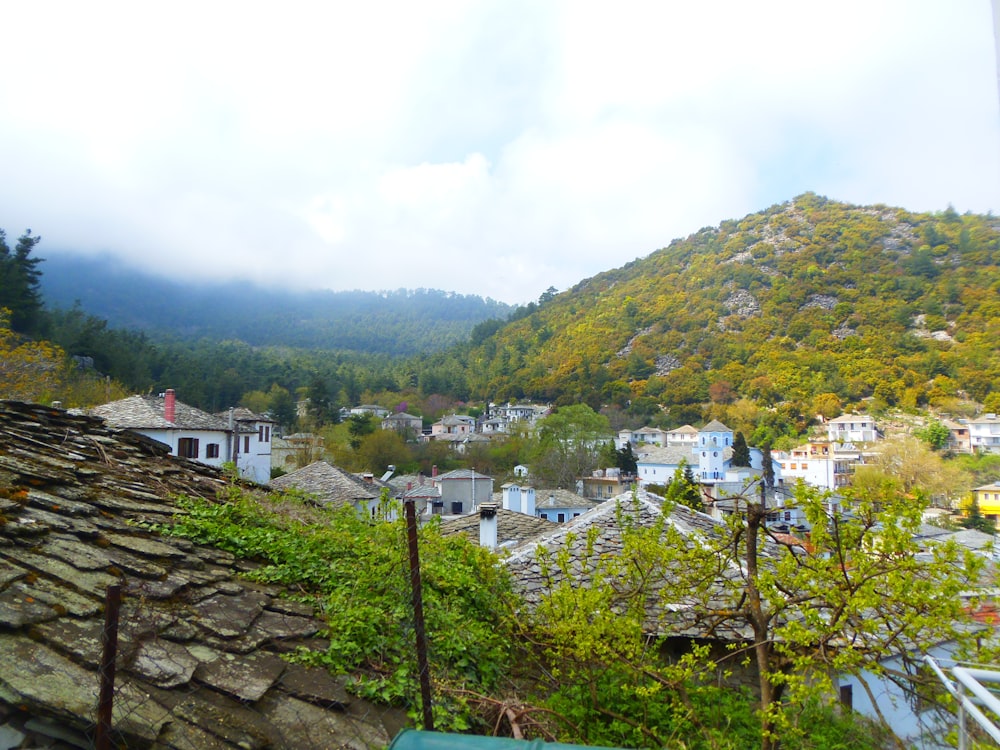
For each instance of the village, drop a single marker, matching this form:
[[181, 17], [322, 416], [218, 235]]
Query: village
[[525, 525], [252, 444]]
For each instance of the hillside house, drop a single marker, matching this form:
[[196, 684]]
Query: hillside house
[[502, 418], [852, 428], [825, 465], [561, 505], [603, 484], [684, 436], [984, 433], [332, 487], [369, 410], [639, 439], [658, 465], [462, 490], [253, 437], [296, 450], [405, 424], [453, 424], [959, 439], [988, 499], [194, 434]]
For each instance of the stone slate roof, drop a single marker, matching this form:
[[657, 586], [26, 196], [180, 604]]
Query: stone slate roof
[[199, 647], [715, 426], [146, 412], [511, 526], [243, 414], [574, 535], [554, 499], [683, 430], [462, 474], [332, 487], [670, 455]]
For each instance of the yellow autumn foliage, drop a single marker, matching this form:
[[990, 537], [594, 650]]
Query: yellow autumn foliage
[[29, 370]]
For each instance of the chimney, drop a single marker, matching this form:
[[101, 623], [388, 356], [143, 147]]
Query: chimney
[[488, 525], [169, 405], [434, 471], [528, 498]]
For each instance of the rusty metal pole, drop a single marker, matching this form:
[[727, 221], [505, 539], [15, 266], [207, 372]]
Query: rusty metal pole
[[109, 652], [418, 615]]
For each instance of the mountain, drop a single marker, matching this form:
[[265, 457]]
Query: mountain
[[809, 300], [401, 322]]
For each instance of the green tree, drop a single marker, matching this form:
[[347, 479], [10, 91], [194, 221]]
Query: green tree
[[281, 406], [358, 426], [683, 488], [861, 581], [741, 451], [625, 460], [767, 470], [976, 520], [19, 282], [569, 444], [381, 449], [935, 434], [323, 407]]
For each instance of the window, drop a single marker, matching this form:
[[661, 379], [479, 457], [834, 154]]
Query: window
[[805, 465], [561, 517], [187, 447], [544, 515], [456, 509], [264, 433], [212, 450], [246, 444]]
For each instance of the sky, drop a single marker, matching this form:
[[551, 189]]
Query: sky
[[488, 148]]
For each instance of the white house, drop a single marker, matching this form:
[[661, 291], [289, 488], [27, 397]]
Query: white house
[[828, 466], [195, 434], [657, 465], [642, 437], [852, 428], [252, 442], [984, 433], [685, 436]]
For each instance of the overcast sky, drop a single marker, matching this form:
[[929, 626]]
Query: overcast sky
[[492, 148]]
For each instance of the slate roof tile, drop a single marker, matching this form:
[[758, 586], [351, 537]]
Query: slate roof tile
[[331, 486], [511, 526], [199, 647]]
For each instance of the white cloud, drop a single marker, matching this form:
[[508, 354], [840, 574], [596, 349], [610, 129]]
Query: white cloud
[[493, 148]]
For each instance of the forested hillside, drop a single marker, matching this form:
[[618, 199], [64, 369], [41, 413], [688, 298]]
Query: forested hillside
[[806, 303], [809, 307], [400, 323]]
